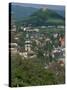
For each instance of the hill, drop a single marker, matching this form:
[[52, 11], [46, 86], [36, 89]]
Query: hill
[[44, 17], [19, 12]]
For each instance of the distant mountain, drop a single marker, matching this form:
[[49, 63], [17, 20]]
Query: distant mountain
[[19, 12], [60, 12], [44, 17]]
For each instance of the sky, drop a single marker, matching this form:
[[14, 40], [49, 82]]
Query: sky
[[58, 7]]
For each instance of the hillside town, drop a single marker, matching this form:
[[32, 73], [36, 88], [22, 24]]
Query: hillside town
[[35, 40], [37, 45]]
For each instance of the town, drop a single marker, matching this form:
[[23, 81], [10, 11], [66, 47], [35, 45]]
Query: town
[[46, 44], [37, 47], [51, 43]]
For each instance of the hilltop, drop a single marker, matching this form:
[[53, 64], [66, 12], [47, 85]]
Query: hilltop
[[44, 17]]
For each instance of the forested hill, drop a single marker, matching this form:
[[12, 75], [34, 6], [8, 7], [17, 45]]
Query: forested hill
[[19, 12], [44, 17]]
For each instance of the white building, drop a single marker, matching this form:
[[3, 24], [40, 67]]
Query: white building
[[60, 26], [14, 50], [28, 45], [55, 35], [13, 28], [14, 44]]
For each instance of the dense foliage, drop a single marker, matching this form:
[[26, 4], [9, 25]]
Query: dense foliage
[[30, 72]]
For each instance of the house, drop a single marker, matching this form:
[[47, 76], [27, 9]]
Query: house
[[33, 30], [60, 27], [13, 28], [62, 41], [22, 27], [24, 54], [43, 26], [36, 30], [13, 48], [51, 26], [28, 45], [55, 35], [14, 44], [47, 39], [16, 38], [61, 61]]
